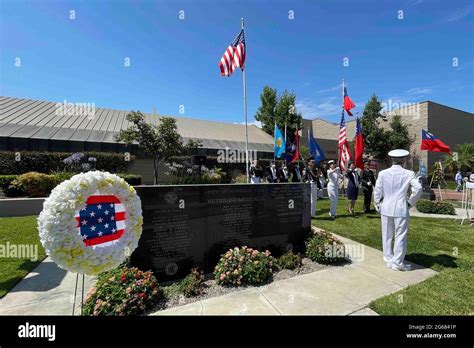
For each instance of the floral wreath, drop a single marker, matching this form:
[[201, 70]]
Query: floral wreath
[[91, 223]]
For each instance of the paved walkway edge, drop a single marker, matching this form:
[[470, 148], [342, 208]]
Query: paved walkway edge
[[339, 290]]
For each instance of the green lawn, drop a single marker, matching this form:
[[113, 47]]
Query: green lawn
[[441, 244], [17, 230]]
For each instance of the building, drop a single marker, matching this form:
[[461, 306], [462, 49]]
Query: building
[[451, 125], [36, 125]]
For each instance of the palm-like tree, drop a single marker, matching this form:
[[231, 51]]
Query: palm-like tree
[[465, 160]]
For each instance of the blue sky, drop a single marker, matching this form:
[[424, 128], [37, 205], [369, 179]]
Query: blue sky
[[174, 61]]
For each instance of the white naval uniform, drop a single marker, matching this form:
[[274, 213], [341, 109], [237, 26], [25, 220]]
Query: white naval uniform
[[314, 192], [333, 189], [321, 181], [391, 191], [255, 179]]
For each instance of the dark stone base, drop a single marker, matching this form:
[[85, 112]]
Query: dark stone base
[[428, 194], [192, 225]]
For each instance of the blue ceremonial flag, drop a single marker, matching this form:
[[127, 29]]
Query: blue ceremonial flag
[[279, 143], [316, 151]]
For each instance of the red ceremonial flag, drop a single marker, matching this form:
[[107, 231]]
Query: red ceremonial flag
[[234, 56], [343, 146], [431, 143], [348, 103], [359, 147], [296, 154]]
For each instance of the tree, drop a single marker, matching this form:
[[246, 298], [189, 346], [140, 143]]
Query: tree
[[465, 158], [161, 142], [280, 110], [304, 152], [399, 137], [266, 112], [377, 140]]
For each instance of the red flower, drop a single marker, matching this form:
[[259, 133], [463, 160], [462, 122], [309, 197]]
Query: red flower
[[123, 278]]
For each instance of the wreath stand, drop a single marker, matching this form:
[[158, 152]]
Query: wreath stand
[[75, 293], [467, 203], [441, 179]]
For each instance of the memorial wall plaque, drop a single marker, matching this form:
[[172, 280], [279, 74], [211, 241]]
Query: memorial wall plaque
[[192, 225]]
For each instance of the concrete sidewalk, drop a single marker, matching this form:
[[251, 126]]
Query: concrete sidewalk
[[342, 290], [46, 290], [460, 213]]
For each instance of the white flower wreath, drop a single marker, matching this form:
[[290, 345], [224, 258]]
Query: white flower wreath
[[71, 238]]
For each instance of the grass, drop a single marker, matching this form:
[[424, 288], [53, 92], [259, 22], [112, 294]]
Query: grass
[[440, 244], [17, 230]]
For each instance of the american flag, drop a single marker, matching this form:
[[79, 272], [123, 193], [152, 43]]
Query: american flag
[[344, 153], [234, 56], [102, 220]]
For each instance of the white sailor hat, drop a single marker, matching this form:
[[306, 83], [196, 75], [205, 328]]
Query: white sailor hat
[[331, 161], [398, 153]]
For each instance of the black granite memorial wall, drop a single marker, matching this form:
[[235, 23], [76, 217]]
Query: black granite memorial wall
[[192, 225]]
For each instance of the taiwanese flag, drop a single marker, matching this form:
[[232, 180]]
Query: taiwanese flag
[[296, 154], [359, 147], [431, 143], [348, 103]]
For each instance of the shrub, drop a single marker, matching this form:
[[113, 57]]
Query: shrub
[[244, 266], [435, 207], [193, 284], [48, 162], [62, 176], [131, 179], [123, 291], [290, 260], [241, 179], [7, 187], [323, 247], [214, 176], [35, 184]]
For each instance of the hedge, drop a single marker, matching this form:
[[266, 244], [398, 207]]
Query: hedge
[[33, 184], [435, 207], [50, 162], [228, 168]]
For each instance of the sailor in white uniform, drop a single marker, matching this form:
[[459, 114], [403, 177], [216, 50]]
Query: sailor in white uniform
[[390, 198], [310, 177], [334, 173]]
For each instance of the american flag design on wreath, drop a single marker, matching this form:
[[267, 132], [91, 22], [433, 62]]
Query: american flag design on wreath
[[101, 221]]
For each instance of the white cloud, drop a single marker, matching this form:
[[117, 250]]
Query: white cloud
[[419, 90], [310, 110], [331, 89], [459, 14]]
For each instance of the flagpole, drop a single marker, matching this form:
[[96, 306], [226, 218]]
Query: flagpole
[[245, 113], [274, 141], [342, 115]]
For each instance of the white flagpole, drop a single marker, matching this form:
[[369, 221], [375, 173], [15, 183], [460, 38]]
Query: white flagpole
[[274, 141], [245, 112]]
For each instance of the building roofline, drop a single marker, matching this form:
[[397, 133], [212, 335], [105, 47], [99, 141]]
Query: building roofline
[[322, 119], [143, 112]]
